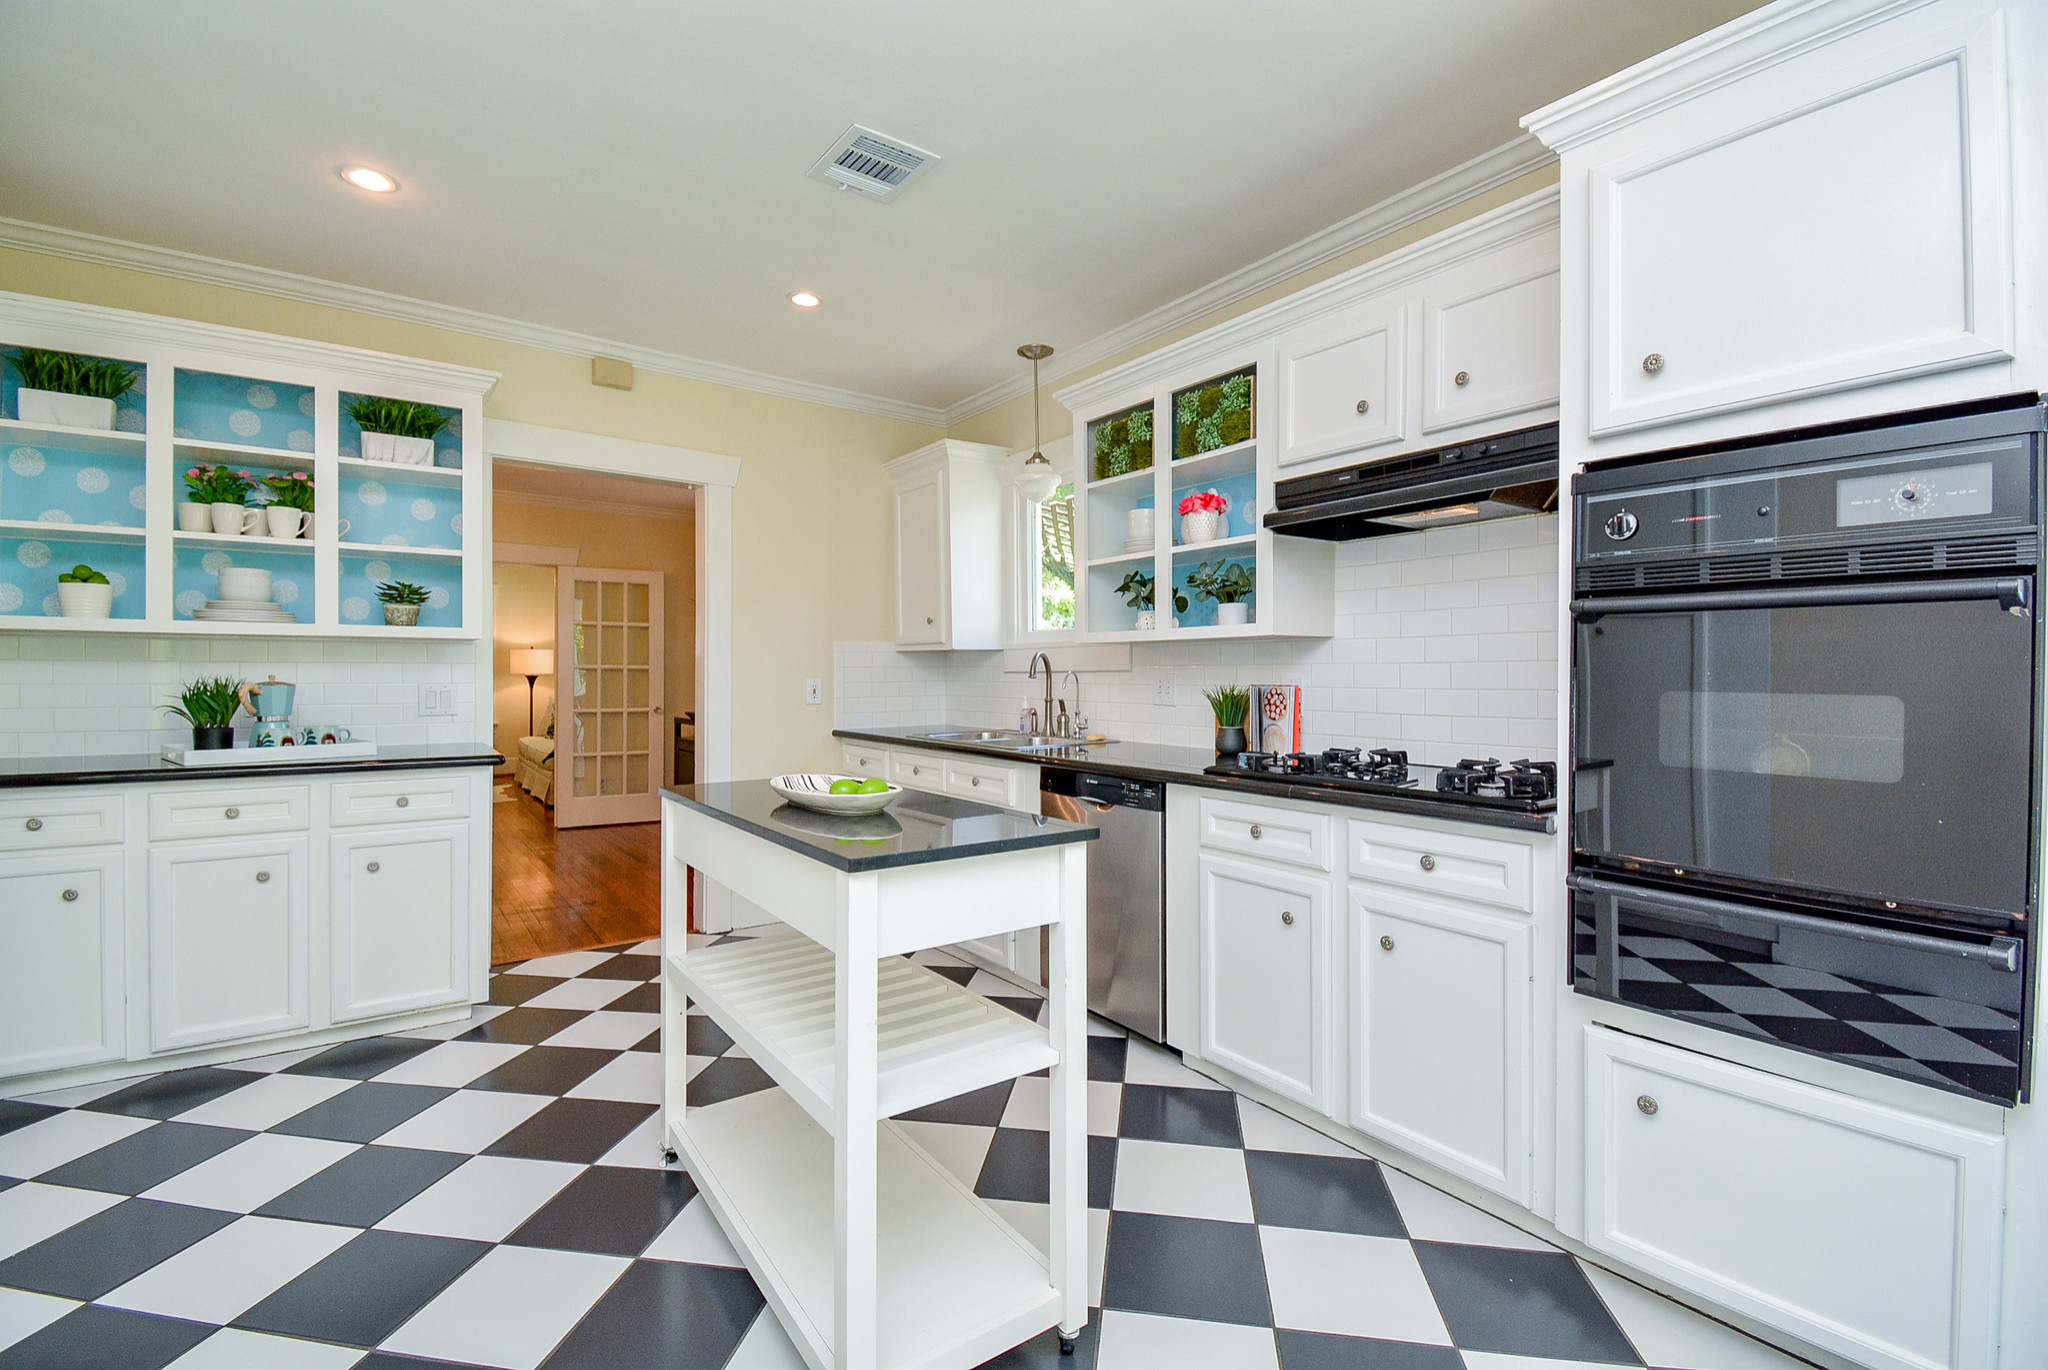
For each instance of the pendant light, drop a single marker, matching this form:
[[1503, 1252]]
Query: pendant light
[[1038, 479]]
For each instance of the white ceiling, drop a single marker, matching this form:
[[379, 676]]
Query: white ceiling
[[635, 170]]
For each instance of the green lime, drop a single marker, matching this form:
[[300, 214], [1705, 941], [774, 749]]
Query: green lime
[[848, 786], [874, 784]]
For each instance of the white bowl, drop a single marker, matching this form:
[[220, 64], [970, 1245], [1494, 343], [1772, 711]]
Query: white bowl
[[815, 792], [245, 583]]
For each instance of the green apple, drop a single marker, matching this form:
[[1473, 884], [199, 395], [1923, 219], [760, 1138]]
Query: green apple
[[847, 786], [874, 784]]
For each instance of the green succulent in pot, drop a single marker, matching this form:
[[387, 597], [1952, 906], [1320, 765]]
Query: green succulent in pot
[[209, 705], [67, 373], [402, 601]]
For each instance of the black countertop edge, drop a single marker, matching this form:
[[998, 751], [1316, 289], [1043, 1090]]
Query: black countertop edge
[[49, 772], [1164, 766], [1028, 832]]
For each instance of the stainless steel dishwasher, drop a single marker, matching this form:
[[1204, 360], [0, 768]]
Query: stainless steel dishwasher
[[1126, 891]]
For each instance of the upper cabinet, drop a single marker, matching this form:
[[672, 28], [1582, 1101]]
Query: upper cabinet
[[948, 501], [1489, 340], [1343, 381]]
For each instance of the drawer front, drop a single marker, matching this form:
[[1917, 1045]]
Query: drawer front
[[1483, 870], [405, 799], [180, 811], [989, 782], [40, 821], [918, 771], [1289, 835], [865, 761]]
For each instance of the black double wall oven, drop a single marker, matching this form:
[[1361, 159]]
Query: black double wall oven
[[1805, 685]]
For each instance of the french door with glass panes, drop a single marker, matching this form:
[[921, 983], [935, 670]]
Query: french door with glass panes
[[610, 731]]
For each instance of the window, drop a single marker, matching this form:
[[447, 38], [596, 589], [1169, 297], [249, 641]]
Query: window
[[1050, 575]]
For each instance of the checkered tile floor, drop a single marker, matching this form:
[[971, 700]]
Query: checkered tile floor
[[490, 1193]]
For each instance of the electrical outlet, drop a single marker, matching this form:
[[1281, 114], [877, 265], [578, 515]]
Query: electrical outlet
[[1166, 690], [814, 691]]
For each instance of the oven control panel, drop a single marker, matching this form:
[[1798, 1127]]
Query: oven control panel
[[1893, 497]]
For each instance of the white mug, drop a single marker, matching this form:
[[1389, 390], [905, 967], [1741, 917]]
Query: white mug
[[341, 529], [283, 522], [335, 735], [232, 519]]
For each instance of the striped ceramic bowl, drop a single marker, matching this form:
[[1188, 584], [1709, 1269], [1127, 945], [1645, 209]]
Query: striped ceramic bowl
[[815, 792]]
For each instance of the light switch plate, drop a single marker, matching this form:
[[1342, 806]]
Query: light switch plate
[[437, 701], [814, 691]]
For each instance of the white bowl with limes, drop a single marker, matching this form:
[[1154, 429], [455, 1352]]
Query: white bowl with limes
[[844, 794]]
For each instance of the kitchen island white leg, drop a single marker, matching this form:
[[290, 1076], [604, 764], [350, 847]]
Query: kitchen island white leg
[[1066, 991], [854, 1145]]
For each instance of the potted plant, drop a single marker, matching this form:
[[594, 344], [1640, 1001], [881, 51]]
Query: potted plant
[[1202, 517], [402, 601], [222, 493], [209, 706], [290, 511], [1229, 585], [1137, 592], [398, 431], [85, 593], [1231, 704], [67, 389]]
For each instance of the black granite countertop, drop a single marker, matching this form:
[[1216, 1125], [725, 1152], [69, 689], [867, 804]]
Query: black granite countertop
[[29, 772], [1187, 766], [915, 830]]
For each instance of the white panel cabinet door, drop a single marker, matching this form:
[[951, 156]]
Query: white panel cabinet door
[[1868, 1231], [61, 983], [921, 564], [1442, 1054], [1266, 976], [398, 919], [1490, 339], [1838, 221], [227, 941], [1343, 382]]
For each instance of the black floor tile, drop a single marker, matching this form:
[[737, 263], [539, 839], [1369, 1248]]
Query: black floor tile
[[1323, 1351], [545, 1070], [1521, 1303], [1042, 1352], [578, 1130], [981, 1108], [145, 1159], [727, 1078], [1028, 1009], [94, 1338], [16, 1113], [1327, 1193], [663, 1313], [524, 1026], [608, 1210], [364, 1187], [517, 989], [1019, 1166], [385, 1360], [1185, 1268], [706, 1037], [640, 999], [1106, 1057], [364, 1113], [109, 1249], [366, 1290], [625, 966], [959, 975], [173, 1092], [651, 1042], [1161, 1113], [360, 1060]]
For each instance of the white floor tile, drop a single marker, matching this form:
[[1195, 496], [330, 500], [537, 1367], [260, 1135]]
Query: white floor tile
[[1349, 1285], [1150, 1065], [585, 994], [451, 1065], [985, 984], [1098, 1028], [1495, 1360], [1673, 1337], [693, 1236], [479, 1014], [23, 1314], [634, 1078], [959, 1147], [73, 1096], [468, 1121], [610, 1031], [569, 963], [1141, 1341], [1031, 1098], [510, 1308], [932, 956], [641, 1149], [233, 1349], [28, 1151], [1184, 1181], [222, 1276], [267, 1102], [1266, 1130], [1034, 1223], [651, 947], [483, 1199], [31, 1212], [1434, 1216], [252, 1173], [699, 940], [766, 1347], [270, 1065]]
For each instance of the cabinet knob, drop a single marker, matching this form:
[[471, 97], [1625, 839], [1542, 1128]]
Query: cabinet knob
[[371, 868], [976, 782], [1386, 944], [262, 877], [1257, 832], [1645, 1105], [35, 825], [1364, 405], [403, 802], [233, 813], [71, 896], [1461, 378], [928, 620], [1428, 862], [917, 770], [1287, 919], [1653, 363]]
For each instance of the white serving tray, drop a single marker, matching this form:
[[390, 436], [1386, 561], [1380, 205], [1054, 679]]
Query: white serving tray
[[241, 755]]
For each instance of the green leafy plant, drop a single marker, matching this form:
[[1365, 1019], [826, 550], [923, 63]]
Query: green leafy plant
[[1137, 592], [400, 418], [402, 592], [1230, 704], [1217, 414], [1123, 442], [209, 703], [1226, 583], [293, 491], [82, 574], [218, 485], [70, 374]]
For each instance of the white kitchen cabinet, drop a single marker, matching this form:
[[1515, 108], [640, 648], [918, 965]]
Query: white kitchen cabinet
[[62, 995], [44, 820], [1266, 976], [948, 500], [1343, 381], [1461, 865], [1870, 1232], [1442, 1034], [1489, 339], [228, 935], [1269, 832], [397, 919]]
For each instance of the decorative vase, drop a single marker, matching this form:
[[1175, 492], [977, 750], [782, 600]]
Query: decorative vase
[[402, 615], [1233, 615], [283, 522], [195, 518], [1206, 526], [1138, 526], [213, 739], [85, 600], [68, 411], [389, 447], [1148, 620], [1229, 741], [229, 519]]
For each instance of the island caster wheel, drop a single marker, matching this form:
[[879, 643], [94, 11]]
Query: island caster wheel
[[668, 1155], [1066, 1346]]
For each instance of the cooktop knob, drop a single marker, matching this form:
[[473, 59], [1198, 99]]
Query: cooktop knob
[[1622, 526]]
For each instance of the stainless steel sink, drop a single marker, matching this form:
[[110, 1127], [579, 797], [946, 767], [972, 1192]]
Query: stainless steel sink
[[1022, 742], [971, 737]]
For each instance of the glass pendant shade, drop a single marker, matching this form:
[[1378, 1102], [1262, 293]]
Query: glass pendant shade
[[1038, 479]]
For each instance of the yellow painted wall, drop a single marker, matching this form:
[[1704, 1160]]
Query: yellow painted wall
[[522, 615]]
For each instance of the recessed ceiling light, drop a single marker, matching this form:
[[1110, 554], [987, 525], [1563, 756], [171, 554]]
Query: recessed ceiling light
[[368, 178], [803, 299]]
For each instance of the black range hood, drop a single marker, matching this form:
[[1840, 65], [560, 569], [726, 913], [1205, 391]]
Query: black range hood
[[1508, 476]]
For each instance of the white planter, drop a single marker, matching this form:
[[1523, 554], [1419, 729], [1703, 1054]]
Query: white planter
[[195, 518], [1148, 620], [1233, 615], [388, 447], [85, 601], [69, 411], [1202, 527], [283, 522]]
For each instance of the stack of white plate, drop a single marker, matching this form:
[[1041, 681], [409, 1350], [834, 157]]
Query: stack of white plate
[[244, 611]]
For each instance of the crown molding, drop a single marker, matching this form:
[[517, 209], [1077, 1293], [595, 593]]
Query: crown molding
[[595, 506]]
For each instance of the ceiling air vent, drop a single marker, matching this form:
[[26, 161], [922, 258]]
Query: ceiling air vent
[[872, 163]]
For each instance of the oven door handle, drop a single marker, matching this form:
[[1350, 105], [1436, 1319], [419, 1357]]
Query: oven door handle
[[2013, 593], [2001, 953]]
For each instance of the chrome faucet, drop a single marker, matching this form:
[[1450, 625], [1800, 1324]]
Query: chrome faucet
[[1073, 724], [1045, 718]]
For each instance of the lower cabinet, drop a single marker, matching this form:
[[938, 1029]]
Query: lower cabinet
[[398, 919], [1265, 980], [1868, 1231], [1443, 1031], [62, 995], [227, 940]]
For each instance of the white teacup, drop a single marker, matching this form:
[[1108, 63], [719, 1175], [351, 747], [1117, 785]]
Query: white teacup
[[283, 522], [341, 528], [234, 519]]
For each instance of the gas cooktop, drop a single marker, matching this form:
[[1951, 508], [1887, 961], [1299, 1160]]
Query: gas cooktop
[[1529, 786]]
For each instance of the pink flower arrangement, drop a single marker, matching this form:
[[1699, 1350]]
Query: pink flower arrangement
[[1204, 502]]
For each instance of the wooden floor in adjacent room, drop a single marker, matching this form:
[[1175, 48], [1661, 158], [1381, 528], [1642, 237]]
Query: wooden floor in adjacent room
[[570, 890]]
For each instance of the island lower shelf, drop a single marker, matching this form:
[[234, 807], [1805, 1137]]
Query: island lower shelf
[[955, 1284]]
